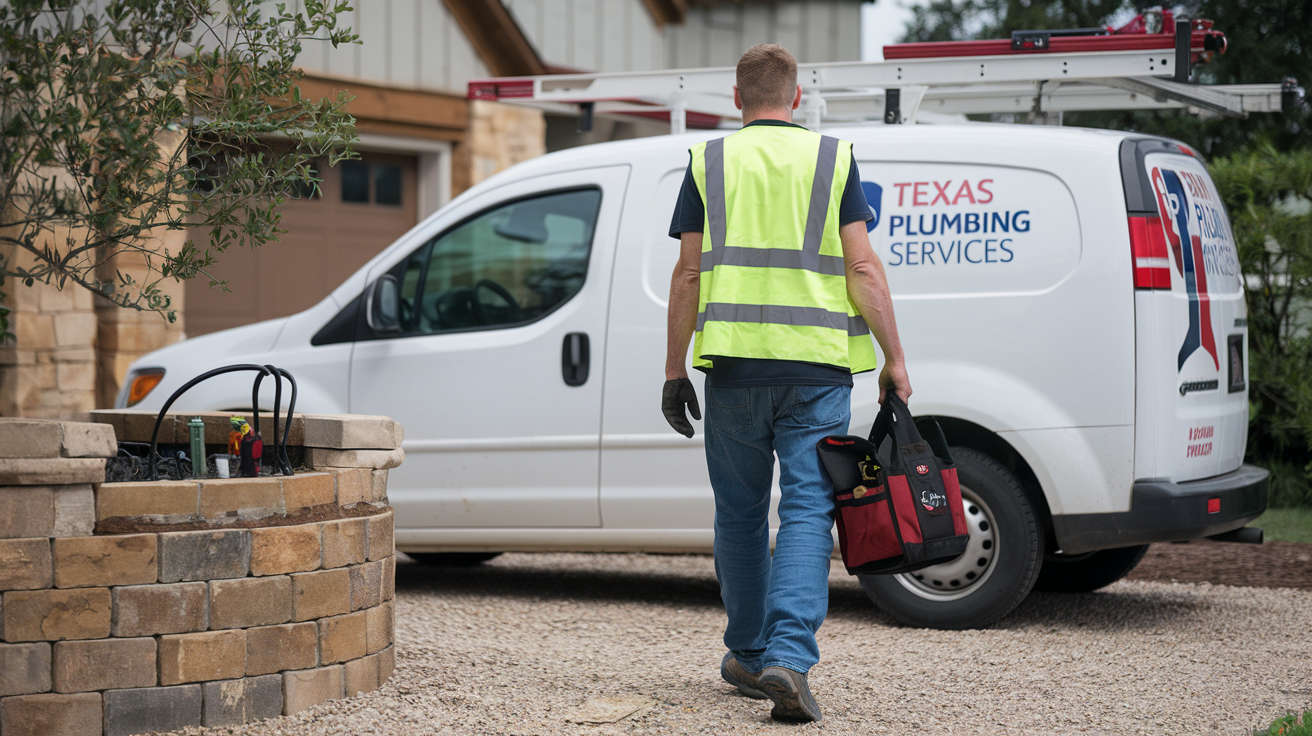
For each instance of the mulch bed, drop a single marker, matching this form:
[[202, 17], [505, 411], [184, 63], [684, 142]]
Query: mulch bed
[[1270, 565]]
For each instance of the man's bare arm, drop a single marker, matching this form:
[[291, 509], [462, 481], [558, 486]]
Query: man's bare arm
[[868, 288], [685, 290]]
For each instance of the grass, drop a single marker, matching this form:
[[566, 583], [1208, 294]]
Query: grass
[[1287, 525], [1289, 724]]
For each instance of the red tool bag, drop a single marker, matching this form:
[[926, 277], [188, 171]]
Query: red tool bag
[[901, 516]]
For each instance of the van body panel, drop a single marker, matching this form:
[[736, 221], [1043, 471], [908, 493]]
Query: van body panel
[[535, 464], [1057, 327], [1094, 466]]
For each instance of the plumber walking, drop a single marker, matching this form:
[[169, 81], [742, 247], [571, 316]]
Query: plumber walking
[[777, 279]]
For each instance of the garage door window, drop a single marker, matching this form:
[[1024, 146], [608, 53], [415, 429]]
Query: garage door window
[[508, 266]]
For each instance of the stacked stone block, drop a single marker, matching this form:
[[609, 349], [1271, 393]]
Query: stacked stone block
[[131, 633]]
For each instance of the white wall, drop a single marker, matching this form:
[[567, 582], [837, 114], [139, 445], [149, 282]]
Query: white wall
[[407, 43], [815, 31], [591, 35], [417, 43]]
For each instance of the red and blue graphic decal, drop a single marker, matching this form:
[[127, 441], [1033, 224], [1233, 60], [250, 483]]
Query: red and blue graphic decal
[[1187, 249], [875, 199]]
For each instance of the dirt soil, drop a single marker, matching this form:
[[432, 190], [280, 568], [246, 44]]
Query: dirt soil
[[1270, 565]]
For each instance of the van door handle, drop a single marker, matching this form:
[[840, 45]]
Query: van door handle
[[574, 359]]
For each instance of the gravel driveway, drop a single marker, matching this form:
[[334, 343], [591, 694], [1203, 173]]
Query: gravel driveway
[[518, 645]]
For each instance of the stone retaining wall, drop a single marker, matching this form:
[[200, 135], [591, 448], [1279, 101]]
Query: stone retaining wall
[[260, 614]]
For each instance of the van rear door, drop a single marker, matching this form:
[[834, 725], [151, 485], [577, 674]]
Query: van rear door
[[1191, 402]]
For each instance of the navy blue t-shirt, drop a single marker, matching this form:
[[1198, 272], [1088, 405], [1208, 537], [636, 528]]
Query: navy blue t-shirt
[[690, 217]]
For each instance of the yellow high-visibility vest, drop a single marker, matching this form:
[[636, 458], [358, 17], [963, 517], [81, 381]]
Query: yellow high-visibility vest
[[773, 283]]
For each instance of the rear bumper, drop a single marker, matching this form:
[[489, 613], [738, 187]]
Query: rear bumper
[[1161, 511]]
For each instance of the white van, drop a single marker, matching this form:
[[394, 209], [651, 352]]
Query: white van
[[1069, 300]]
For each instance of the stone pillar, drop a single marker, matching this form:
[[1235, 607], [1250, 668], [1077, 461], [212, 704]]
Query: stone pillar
[[123, 335], [71, 355], [499, 137], [49, 369]]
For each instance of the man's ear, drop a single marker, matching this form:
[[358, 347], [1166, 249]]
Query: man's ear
[[737, 98], [797, 98]]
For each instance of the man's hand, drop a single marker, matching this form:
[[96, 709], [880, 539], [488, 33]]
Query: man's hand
[[894, 377], [677, 393]]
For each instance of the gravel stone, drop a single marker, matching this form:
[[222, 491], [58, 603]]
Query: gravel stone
[[518, 645]]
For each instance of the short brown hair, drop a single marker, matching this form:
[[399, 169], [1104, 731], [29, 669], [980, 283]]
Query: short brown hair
[[767, 77]]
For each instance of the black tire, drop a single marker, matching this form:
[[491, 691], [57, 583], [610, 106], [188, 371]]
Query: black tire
[[451, 559], [997, 570], [1087, 573]]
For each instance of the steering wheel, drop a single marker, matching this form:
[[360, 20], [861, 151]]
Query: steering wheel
[[497, 289]]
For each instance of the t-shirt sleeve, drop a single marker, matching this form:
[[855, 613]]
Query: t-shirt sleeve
[[854, 206], [689, 211]]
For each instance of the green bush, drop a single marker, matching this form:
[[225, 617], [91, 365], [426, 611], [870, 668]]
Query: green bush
[[1269, 197], [1289, 724]]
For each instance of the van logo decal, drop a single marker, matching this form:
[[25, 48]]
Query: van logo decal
[[875, 199], [1173, 206], [1189, 387]]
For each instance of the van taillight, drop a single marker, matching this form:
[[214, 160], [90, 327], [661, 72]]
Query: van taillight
[[1152, 260]]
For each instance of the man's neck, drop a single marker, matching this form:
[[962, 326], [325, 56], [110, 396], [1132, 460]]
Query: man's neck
[[754, 115]]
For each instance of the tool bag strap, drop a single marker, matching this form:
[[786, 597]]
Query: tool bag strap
[[895, 420]]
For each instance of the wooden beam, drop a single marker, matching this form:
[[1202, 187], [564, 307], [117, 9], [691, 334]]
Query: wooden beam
[[496, 37], [410, 107], [665, 12]]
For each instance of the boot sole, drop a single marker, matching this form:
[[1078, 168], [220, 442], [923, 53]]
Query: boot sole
[[788, 705]]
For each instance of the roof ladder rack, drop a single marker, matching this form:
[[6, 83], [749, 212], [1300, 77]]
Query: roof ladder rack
[[1146, 67]]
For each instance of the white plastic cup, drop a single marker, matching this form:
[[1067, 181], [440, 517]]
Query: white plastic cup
[[221, 465]]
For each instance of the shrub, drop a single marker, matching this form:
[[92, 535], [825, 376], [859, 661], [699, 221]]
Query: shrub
[[1290, 724], [1269, 197]]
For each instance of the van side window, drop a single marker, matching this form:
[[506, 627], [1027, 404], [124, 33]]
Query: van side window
[[508, 266]]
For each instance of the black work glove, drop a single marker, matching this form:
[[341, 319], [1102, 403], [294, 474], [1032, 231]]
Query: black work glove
[[676, 393]]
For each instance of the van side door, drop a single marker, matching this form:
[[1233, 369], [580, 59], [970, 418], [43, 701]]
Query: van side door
[[495, 374]]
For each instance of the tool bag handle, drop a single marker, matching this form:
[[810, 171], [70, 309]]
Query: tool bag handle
[[895, 420]]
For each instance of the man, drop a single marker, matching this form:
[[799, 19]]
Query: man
[[777, 278]]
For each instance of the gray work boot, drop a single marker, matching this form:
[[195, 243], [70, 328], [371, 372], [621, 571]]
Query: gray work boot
[[738, 676], [792, 698]]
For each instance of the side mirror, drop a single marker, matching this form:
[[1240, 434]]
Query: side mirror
[[382, 306]]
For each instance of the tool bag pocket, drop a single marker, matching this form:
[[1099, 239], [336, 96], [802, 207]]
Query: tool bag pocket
[[864, 514], [902, 516]]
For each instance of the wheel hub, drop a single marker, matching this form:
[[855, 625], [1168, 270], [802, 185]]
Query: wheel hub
[[960, 577]]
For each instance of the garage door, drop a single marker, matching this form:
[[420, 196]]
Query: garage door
[[361, 207]]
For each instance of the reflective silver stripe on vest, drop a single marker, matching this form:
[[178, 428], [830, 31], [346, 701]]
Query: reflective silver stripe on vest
[[774, 314], [715, 207], [772, 258], [821, 187], [808, 258]]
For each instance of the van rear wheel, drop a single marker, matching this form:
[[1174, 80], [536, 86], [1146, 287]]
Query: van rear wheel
[[997, 570], [1086, 573]]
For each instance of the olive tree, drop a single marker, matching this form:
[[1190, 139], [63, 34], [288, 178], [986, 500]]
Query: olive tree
[[123, 118]]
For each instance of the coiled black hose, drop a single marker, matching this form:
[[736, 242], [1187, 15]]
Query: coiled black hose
[[281, 460]]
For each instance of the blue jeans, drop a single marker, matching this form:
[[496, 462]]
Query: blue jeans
[[775, 605]]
